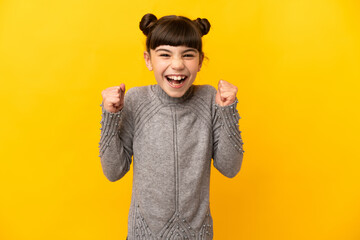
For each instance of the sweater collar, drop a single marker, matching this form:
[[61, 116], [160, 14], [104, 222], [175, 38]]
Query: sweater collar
[[165, 98]]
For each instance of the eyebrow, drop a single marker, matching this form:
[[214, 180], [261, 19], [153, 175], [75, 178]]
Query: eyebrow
[[166, 50]]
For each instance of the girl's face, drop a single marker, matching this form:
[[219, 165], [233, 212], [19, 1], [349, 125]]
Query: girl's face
[[175, 68]]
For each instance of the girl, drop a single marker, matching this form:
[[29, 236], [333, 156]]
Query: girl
[[172, 130]]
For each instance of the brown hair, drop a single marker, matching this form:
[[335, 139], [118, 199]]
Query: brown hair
[[174, 31]]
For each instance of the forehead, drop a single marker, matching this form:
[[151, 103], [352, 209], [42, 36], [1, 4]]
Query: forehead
[[174, 48]]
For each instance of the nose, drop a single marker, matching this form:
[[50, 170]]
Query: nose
[[177, 63]]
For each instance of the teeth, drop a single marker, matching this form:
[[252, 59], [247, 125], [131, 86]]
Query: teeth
[[177, 78]]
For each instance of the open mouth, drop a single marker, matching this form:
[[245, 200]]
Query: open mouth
[[176, 81]]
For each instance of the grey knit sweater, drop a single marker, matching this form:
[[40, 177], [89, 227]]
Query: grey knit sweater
[[172, 142]]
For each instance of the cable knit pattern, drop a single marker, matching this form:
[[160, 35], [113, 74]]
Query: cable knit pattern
[[171, 142]]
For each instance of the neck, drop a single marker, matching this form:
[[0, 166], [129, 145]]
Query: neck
[[165, 98]]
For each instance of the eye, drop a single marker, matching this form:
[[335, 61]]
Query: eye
[[164, 55], [189, 55]]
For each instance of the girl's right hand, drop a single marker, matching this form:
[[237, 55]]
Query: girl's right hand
[[113, 98]]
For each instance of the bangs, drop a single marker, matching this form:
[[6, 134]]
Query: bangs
[[176, 32]]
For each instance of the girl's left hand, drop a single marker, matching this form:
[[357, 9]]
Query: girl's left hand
[[226, 93]]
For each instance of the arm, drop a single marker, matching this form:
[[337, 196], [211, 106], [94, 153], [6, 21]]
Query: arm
[[116, 137], [228, 145]]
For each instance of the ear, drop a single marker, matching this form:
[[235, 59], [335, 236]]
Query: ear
[[201, 59], [148, 61]]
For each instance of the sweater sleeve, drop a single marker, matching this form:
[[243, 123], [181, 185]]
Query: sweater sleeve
[[116, 143], [228, 145]]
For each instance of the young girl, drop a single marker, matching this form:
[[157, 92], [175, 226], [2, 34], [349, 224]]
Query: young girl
[[172, 130]]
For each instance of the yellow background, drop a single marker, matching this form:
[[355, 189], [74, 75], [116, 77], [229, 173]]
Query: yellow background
[[297, 66]]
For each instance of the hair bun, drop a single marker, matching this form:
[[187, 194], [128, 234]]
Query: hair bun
[[203, 24], [147, 22]]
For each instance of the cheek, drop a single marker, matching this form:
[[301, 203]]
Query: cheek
[[160, 67], [194, 67]]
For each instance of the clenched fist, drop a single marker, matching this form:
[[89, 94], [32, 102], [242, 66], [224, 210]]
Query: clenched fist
[[226, 93], [113, 98]]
